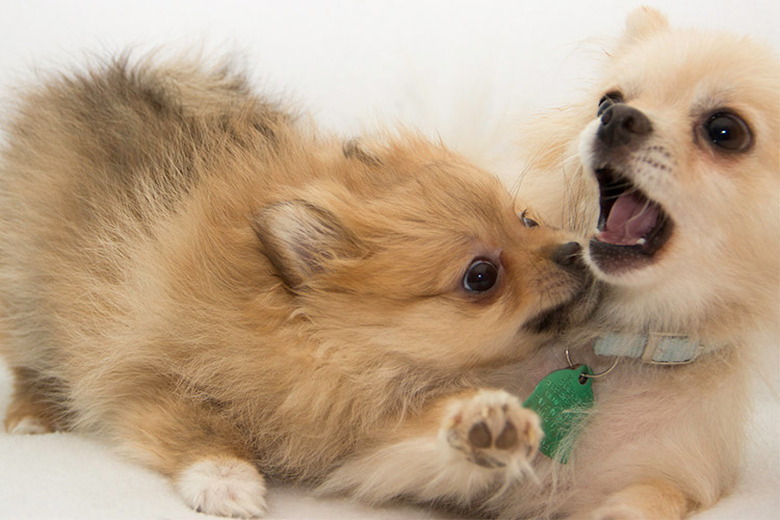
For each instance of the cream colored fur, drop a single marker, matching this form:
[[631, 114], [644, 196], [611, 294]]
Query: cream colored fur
[[663, 442]]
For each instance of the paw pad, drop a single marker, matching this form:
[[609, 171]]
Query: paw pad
[[481, 437], [492, 429]]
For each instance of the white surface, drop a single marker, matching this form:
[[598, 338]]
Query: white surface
[[445, 65]]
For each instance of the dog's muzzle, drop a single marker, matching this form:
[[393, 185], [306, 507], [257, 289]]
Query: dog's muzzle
[[632, 226]]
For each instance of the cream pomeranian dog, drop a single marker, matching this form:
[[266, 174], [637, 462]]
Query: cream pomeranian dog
[[195, 277], [671, 173]]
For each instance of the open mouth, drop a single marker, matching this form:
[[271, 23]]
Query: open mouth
[[632, 227]]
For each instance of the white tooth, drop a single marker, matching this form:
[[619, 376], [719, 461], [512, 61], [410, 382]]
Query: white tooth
[[641, 242]]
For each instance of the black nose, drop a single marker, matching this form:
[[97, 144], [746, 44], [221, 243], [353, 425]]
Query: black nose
[[622, 124], [568, 255]]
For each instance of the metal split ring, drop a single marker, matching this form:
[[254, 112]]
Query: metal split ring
[[593, 376]]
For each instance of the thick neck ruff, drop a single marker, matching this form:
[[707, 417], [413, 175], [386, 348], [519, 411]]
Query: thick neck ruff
[[657, 348]]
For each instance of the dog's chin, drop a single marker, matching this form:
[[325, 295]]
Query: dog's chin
[[568, 314], [633, 229]]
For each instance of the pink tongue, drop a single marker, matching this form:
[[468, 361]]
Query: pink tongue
[[630, 219]]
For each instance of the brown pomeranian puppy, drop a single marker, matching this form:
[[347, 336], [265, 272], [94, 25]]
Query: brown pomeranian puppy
[[194, 277], [671, 170]]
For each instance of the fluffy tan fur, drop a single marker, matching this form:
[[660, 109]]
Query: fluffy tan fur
[[203, 282], [664, 441]]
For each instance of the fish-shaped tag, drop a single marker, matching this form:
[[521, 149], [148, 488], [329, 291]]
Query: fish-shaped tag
[[562, 399]]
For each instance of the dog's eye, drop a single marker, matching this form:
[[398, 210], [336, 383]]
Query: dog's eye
[[609, 99], [527, 222], [728, 132], [481, 276]]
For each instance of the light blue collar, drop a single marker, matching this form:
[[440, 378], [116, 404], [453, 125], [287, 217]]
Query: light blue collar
[[656, 347]]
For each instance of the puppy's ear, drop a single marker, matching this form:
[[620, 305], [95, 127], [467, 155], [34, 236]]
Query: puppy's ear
[[300, 239], [642, 23]]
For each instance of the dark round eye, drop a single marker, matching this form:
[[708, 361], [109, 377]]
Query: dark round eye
[[728, 131], [609, 99], [481, 276], [527, 222]]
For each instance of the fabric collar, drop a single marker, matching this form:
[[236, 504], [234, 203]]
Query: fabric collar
[[656, 347]]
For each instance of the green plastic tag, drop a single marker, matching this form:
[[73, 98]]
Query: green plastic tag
[[562, 400]]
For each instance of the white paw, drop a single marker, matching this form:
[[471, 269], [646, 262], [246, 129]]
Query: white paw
[[223, 487], [29, 425], [493, 430], [618, 511]]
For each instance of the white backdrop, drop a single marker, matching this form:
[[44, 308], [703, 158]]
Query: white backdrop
[[448, 66]]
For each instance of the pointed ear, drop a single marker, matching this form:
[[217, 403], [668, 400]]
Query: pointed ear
[[300, 239], [642, 23]]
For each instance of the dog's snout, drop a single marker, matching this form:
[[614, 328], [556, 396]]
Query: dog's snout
[[567, 255], [622, 124]]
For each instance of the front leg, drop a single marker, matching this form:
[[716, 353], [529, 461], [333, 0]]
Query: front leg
[[644, 501], [200, 451], [491, 429], [223, 486], [460, 449]]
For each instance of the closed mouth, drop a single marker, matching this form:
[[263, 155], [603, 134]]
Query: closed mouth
[[568, 313], [632, 227]]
